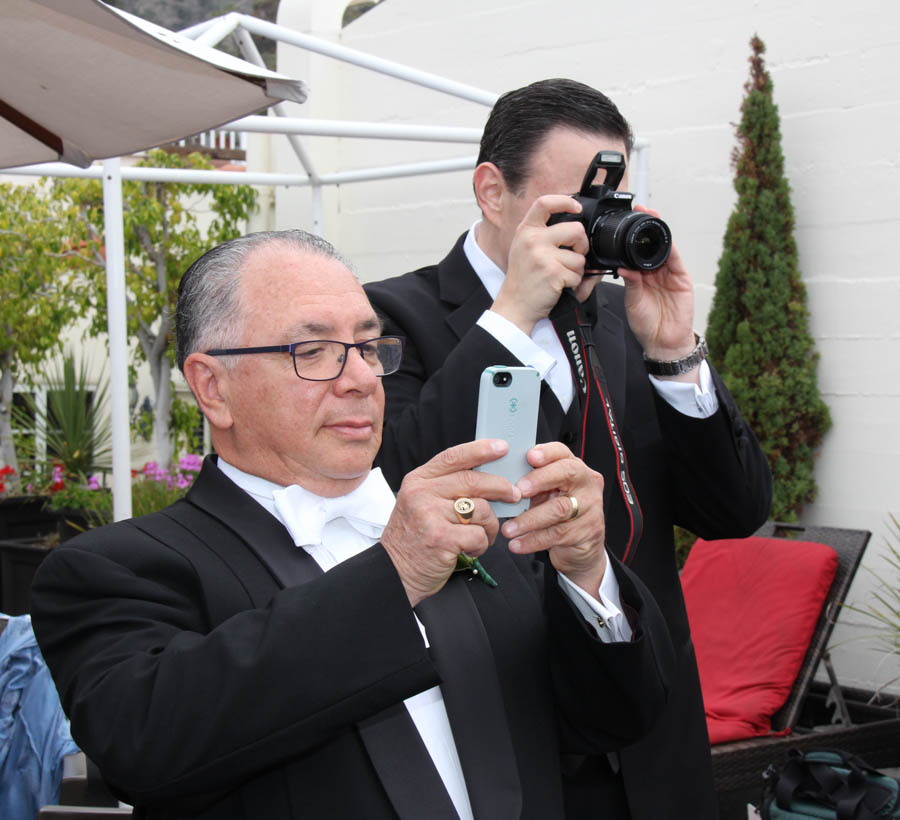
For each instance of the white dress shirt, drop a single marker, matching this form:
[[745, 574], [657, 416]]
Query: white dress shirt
[[543, 351], [332, 530]]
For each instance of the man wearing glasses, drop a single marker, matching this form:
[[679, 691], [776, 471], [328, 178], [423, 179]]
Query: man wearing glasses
[[290, 640]]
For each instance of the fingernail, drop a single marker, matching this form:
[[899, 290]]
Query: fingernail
[[524, 485], [515, 546], [498, 445], [510, 528]]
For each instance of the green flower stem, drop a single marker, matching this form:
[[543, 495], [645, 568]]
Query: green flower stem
[[467, 562]]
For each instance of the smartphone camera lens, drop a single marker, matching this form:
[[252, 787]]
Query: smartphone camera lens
[[502, 379]]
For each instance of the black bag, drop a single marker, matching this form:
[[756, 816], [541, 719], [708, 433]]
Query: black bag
[[830, 784]]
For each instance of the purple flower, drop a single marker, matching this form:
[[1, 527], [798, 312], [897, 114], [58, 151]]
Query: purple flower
[[155, 472], [94, 482], [182, 482], [190, 462]]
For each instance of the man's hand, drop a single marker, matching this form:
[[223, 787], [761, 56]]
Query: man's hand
[[424, 534], [660, 306], [542, 261], [575, 545]]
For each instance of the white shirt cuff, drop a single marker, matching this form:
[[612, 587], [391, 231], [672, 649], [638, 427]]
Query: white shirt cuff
[[516, 342], [687, 398], [605, 616]]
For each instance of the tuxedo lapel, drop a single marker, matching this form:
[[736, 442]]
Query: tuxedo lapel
[[471, 690], [551, 417], [392, 741], [459, 285], [260, 532], [404, 766]]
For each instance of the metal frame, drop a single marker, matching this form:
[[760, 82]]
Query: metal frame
[[112, 173]]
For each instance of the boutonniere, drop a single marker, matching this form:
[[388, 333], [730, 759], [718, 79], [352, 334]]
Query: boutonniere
[[466, 563], [465, 509]]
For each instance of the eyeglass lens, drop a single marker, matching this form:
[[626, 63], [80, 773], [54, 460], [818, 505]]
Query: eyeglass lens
[[324, 360]]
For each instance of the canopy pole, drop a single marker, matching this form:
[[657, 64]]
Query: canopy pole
[[317, 209], [118, 338], [639, 174]]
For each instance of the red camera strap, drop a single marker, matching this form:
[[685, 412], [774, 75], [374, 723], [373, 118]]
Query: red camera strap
[[576, 337]]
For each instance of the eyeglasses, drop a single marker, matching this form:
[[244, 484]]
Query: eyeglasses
[[322, 360]]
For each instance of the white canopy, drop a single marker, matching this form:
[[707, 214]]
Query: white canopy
[[85, 81], [207, 35]]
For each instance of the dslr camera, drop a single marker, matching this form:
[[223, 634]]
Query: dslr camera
[[618, 236]]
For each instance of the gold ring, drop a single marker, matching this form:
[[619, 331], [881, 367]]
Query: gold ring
[[464, 509], [574, 503]]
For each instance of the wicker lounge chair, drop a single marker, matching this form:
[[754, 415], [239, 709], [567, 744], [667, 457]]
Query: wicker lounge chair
[[738, 765]]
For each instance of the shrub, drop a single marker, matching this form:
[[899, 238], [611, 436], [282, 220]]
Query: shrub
[[757, 330]]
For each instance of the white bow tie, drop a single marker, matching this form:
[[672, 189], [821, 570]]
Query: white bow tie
[[304, 514]]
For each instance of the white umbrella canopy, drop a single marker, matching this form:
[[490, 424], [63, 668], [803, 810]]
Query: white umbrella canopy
[[80, 80]]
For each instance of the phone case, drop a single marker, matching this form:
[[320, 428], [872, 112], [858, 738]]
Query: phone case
[[509, 411]]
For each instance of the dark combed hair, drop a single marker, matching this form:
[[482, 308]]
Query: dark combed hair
[[522, 118]]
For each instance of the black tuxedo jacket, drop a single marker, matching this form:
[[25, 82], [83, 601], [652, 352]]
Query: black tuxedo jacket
[[212, 670], [708, 475]]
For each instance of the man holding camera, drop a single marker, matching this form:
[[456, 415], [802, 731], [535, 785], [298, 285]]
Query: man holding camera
[[291, 641], [625, 386]]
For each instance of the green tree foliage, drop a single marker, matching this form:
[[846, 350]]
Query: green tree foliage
[[75, 421], [187, 426], [35, 290], [758, 327], [165, 230]]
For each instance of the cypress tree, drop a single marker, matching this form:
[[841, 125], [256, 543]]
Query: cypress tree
[[758, 330]]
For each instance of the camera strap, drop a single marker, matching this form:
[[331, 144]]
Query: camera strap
[[576, 335]]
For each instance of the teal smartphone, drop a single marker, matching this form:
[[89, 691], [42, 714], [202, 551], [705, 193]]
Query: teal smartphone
[[508, 400]]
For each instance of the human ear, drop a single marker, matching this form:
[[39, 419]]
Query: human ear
[[490, 187], [208, 379]]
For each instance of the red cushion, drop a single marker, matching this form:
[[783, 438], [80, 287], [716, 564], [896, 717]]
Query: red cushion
[[753, 604]]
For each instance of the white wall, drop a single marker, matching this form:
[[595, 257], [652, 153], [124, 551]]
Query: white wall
[[677, 71]]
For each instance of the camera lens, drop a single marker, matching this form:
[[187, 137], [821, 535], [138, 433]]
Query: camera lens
[[628, 239], [502, 379], [647, 244]]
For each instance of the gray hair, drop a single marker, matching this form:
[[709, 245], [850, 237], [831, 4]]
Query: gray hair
[[208, 313]]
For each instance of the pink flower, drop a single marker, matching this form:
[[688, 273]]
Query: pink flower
[[190, 462], [155, 472], [94, 482]]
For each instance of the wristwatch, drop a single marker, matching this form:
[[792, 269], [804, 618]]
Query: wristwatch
[[675, 367]]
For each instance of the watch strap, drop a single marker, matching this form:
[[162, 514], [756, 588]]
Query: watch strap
[[677, 367]]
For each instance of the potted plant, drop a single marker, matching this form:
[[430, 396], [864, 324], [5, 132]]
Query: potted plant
[[22, 516], [79, 503], [882, 615]]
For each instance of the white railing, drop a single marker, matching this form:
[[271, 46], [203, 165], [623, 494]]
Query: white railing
[[217, 139]]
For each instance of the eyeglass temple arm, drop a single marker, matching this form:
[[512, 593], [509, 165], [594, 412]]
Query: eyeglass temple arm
[[236, 351]]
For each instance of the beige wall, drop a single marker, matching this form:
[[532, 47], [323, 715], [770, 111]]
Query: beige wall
[[677, 72]]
